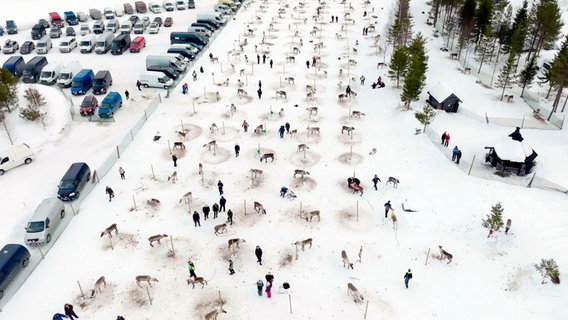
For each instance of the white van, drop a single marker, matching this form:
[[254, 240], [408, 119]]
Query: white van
[[155, 79], [104, 42], [112, 26], [44, 222], [221, 8], [180, 4], [200, 31], [108, 13], [126, 26], [14, 157], [119, 10], [85, 29], [87, 43], [68, 73], [212, 16], [154, 7], [43, 45], [168, 5], [50, 73]]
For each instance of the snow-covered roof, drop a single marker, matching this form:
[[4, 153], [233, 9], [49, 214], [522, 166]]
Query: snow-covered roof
[[512, 150], [440, 91]]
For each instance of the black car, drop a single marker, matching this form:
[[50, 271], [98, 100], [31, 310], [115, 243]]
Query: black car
[[44, 23], [27, 47], [70, 32], [55, 32], [159, 21], [133, 18]]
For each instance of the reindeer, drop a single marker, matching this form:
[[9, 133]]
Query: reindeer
[[303, 147], [353, 292], [445, 255], [179, 144], [281, 93], [290, 59], [145, 278], [296, 50], [290, 80], [304, 243], [341, 96], [156, 238], [394, 182], [109, 230], [258, 207], [310, 95], [213, 127], [235, 242], [259, 129], [200, 170], [255, 172], [346, 263], [355, 51], [348, 129], [210, 144], [214, 59], [381, 64], [241, 92], [212, 315], [394, 220], [313, 130], [99, 285], [312, 110], [233, 108], [186, 197], [359, 189], [357, 114], [266, 156], [183, 134], [300, 172], [509, 98], [310, 215], [293, 132], [195, 280], [281, 112], [173, 177], [220, 228], [310, 88], [242, 72], [353, 62]]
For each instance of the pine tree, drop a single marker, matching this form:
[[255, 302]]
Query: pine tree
[[559, 73], [526, 76], [401, 29], [549, 268], [398, 65], [33, 110], [8, 90], [485, 49], [416, 72], [426, 116], [483, 18], [494, 220], [517, 35], [506, 78]]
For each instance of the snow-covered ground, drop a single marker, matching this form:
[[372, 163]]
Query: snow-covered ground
[[488, 277]]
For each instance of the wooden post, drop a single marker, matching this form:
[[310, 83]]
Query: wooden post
[[357, 210], [134, 202], [110, 241], [245, 206], [351, 153], [193, 103], [149, 297], [471, 166], [118, 152], [181, 121], [366, 308], [153, 174], [223, 125], [81, 289], [290, 302], [172, 242], [169, 147], [427, 255], [41, 252]]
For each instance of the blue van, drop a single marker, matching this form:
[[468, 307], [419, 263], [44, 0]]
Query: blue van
[[110, 105], [15, 64], [74, 181], [188, 37], [13, 258], [82, 82]]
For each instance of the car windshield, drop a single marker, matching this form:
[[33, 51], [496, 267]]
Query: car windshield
[[99, 82], [86, 103], [85, 43], [105, 105], [64, 44], [46, 74], [35, 226], [66, 184], [64, 76], [77, 83], [41, 44], [28, 72]]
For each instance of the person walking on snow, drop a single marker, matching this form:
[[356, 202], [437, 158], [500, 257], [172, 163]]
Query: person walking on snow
[[407, 277], [174, 159], [443, 137], [362, 78], [206, 211], [388, 207], [269, 290], [194, 74], [375, 181], [196, 218], [230, 217], [231, 270], [138, 84], [281, 131], [458, 156], [191, 268], [308, 64], [69, 311], [220, 186], [287, 126], [245, 125], [237, 150], [455, 153], [121, 172], [271, 62], [259, 91], [126, 94], [447, 140], [215, 210], [258, 254], [259, 286], [222, 202], [110, 193]]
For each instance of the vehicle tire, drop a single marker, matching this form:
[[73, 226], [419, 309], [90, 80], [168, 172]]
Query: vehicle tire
[[166, 87], [26, 262], [1, 294], [28, 161], [146, 85], [48, 238], [62, 214], [2, 172]]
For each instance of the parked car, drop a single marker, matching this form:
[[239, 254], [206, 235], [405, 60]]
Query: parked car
[[128, 9], [146, 20], [137, 44], [10, 46], [82, 17], [82, 82], [153, 28], [108, 13], [55, 19], [44, 23], [102, 81], [45, 220], [67, 45], [133, 19], [139, 28], [85, 29], [158, 20], [44, 45], [55, 32], [98, 27], [38, 31], [73, 181], [111, 103], [27, 47], [89, 106], [13, 258], [168, 22], [15, 156], [70, 32], [1, 31], [11, 27], [71, 18], [168, 5], [95, 14]]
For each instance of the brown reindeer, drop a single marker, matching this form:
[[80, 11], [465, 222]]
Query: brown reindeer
[[173, 177], [281, 93], [214, 59], [267, 156], [212, 315], [313, 130], [295, 50], [186, 197], [289, 79], [256, 172], [259, 129], [99, 285], [109, 230], [304, 243], [445, 255], [353, 62], [310, 88], [303, 147], [199, 280], [258, 207], [183, 134], [290, 59], [310, 95], [241, 92], [310, 215], [293, 132], [145, 278], [210, 144], [346, 263], [213, 127], [341, 96], [312, 110], [179, 144], [156, 238], [300, 172], [348, 129], [235, 242], [353, 292], [220, 228], [357, 114]]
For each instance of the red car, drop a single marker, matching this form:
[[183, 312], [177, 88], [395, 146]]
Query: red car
[[89, 105], [168, 22], [137, 44]]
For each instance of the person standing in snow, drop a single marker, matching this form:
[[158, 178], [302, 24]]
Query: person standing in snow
[[375, 181], [69, 311], [269, 290], [458, 156], [220, 186], [245, 125], [110, 193], [231, 270], [362, 78], [206, 211], [222, 202], [174, 159], [237, 150], [281, 131], [308, 64], [269, 277], [196, 218], [447, 140], [443, 137], [138, 84], [455, 153], [508, 226], [259, 286], [407, 277], [230, 217], [191, 268], [215, 210], [194, 74], [121, 172], [388, 207], [126, 94], [287, 126], [258, 254], [259, 91]]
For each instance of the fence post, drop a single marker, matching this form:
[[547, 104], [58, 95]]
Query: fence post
[[471, 166]]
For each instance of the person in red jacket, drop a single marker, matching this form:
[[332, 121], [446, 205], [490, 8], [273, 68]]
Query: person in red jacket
[[447, 139], [70, 312]]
